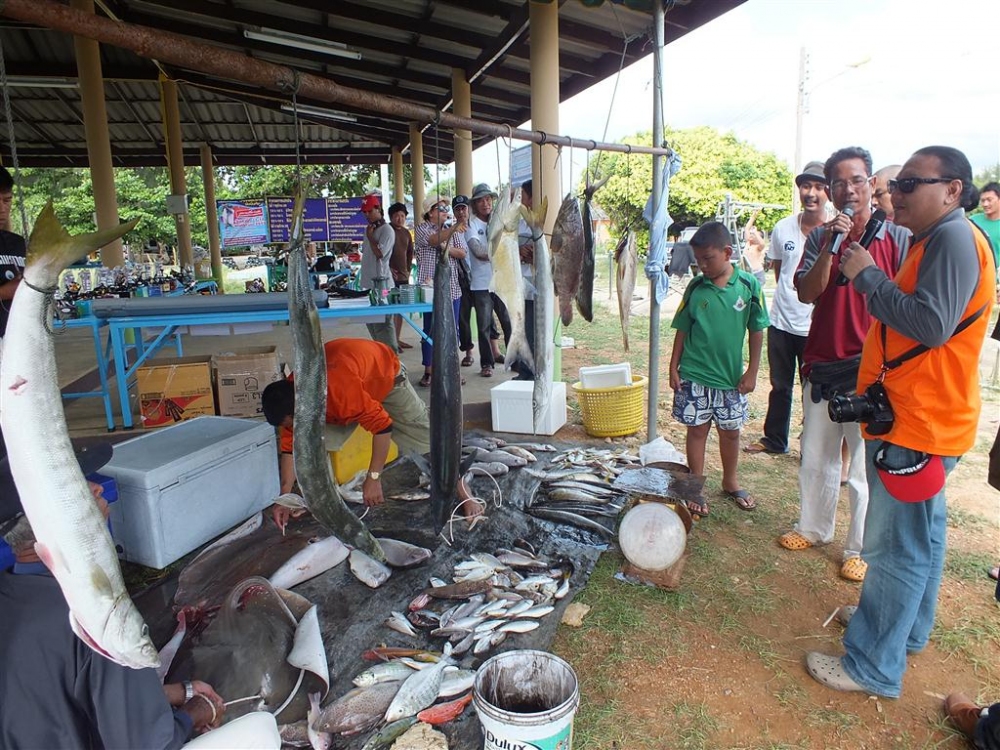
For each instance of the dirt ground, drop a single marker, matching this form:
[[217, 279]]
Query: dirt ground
[[719, 663]]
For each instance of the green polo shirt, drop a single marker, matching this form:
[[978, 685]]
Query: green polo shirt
[[715, 320]]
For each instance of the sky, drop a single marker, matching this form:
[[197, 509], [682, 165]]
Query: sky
[[889, 75]]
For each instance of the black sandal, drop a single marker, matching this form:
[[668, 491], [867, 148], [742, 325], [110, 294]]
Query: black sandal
[[425, 381]]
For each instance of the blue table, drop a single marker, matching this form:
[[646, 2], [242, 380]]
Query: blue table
[[103, 355], [169, 324]]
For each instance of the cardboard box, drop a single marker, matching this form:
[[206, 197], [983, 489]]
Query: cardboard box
[[513, 410], [182, 486], [240, 378], [172, 390]]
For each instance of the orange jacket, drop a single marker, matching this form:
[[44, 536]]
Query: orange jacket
[[359, 375], [934, 396]]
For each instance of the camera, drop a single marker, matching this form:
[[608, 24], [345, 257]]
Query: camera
[[872, 408]]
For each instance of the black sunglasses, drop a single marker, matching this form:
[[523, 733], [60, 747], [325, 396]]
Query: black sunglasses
[[909, 184]]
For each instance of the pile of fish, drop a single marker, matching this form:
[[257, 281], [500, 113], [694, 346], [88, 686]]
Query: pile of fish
[[390, 697], [496, 457], [491, 596]]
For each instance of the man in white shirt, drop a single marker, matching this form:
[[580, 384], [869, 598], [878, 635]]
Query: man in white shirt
[[786, 337], [376, 252]]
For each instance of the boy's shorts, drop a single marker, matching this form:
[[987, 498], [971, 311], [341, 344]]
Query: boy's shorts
[[696, 404]]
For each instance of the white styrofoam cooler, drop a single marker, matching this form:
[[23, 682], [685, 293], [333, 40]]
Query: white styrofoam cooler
[[182, 485], [606, 376], [511, 403]]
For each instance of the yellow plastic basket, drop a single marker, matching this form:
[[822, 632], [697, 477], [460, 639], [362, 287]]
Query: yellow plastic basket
[[612, 412]]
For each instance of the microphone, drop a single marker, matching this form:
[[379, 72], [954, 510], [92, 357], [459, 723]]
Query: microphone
[[838, 237], [872, 228]]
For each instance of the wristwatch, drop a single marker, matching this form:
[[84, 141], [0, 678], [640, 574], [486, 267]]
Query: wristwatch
[[374, 475], [188, 691]]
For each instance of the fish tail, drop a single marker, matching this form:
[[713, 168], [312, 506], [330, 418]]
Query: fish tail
[[566, 310], [594, 187], [535, 217], [518, 351], [52, 249]]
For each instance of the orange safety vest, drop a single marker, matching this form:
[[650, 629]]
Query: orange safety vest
[[934, 396]]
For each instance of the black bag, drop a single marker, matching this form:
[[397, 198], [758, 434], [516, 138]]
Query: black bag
[[834, 378]]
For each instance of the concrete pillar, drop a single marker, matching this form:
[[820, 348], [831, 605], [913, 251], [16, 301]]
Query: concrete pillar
[[461, 94], [175, 161], [417, 165], [398, 187], [543, 19], [211, 215], [95, 124]]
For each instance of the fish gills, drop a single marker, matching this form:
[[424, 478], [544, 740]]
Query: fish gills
[[72, 536], [312, 464]]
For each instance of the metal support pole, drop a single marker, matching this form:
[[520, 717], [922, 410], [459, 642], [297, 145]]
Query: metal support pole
[[652, 410]]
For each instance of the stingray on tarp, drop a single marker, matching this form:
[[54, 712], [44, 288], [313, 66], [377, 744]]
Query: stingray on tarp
[[265, 642], [254, 549]]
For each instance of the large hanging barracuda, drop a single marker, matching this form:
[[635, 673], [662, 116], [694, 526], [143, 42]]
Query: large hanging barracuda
[[71, 533], [446, 398], [544, 320], [585, 293], [312, 464]]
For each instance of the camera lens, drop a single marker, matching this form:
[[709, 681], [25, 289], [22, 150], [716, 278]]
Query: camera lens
[[852, 408]]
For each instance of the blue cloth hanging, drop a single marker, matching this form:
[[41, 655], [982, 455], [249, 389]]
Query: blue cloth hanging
[[659, 220]]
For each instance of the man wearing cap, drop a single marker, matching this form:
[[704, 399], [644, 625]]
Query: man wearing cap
[[55, 690], [376, 252], [460, 208], [831, 358], [790, 318], [401, 261], [482, 273]]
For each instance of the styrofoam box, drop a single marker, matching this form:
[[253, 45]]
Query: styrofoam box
[[511, 403], [180, 486], [606, 376]]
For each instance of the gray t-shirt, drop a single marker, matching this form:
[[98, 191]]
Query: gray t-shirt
[[373, 267]]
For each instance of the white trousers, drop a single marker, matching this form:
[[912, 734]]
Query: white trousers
[[819, 476]]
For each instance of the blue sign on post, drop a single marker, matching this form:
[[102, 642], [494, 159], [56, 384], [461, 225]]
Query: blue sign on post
[[261, 221], [520, 166], [242, 222]]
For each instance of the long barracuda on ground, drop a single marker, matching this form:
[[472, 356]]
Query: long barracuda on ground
[[71, 535], [312, 464]]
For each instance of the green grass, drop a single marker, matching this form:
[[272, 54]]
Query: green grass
[[968, 566]]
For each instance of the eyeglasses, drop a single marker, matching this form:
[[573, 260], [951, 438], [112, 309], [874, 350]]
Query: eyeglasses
[[909, 184], [439, 208], [856, 182]]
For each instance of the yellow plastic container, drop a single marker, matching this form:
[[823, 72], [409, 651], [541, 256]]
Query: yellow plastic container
[[612, 412], [356, 454]]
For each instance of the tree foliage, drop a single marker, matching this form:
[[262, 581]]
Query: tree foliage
[[713, 164], [989, 174]]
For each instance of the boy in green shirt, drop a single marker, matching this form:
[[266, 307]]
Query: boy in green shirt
[[706, 365]]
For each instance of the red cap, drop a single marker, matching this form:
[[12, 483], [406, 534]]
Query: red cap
[[912, 484], [369, 202]]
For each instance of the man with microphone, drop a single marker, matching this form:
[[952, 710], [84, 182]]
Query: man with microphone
[[832, 356]]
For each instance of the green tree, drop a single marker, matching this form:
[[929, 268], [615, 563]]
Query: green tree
[[263, 181], [989, 174], [713, 164]]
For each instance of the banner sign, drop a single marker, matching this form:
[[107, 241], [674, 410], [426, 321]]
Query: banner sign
[[242, 222], [268, 221]]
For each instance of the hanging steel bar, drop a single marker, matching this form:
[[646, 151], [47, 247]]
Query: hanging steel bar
[[185, 53]]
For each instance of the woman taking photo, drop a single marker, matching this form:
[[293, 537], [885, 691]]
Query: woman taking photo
[[432, 236]]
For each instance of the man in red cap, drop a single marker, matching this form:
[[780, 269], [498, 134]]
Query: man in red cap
[[376, 252]]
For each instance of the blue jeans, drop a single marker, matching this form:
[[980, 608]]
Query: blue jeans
[[904, 547]]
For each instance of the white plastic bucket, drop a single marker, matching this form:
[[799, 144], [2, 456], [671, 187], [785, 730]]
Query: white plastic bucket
[[526, 700]]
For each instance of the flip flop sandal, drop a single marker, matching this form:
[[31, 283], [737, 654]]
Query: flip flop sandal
[[425, 381], [994, 573], [696, 508], [794, 541], [743, 499], [404, 345], [757, 447], [468, 361], [487, 372], [854, 569]]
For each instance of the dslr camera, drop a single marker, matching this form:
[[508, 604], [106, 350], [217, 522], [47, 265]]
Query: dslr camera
[[872, 407]]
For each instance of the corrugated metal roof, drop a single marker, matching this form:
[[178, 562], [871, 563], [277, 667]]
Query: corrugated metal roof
[[408, 50]]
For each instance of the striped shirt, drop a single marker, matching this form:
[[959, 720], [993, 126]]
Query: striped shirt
[[427, 257]]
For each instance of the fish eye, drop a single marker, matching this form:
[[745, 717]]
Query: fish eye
[[145, 630]]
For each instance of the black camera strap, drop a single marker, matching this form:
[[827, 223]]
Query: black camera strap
[[916, 351]]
